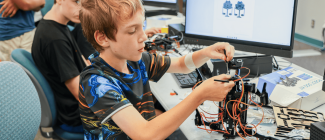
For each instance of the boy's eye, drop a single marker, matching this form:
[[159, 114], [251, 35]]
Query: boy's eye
[[132, 32]]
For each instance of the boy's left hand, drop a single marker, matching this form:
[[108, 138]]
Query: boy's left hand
[[216, 51], [154, 30]]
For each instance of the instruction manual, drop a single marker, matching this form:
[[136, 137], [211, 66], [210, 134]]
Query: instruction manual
[[294, 88]]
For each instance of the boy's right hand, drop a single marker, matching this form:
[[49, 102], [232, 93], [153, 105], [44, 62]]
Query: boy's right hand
[[213, 90]]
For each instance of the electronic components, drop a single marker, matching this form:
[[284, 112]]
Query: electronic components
[[232, 113], [160, 42]]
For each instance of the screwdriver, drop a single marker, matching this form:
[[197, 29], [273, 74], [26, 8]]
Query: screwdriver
[[226, 62], [221, 81]]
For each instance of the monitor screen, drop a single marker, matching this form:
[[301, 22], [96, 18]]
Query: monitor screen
[[165, 1], [263, 23]]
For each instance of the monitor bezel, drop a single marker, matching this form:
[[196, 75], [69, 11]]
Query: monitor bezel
[[250, 43], [161, 4]]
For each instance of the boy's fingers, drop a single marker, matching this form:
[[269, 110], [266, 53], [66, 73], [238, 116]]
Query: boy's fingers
[[156, 30], [230, 84], [230, 52], [217, 55], [6, 13], [13, 13], [222, 77], [3, 8]]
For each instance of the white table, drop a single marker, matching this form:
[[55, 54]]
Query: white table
[[167, 84]]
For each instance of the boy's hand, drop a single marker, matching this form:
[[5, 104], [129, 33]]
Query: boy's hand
[[213, 90], [9, 8], [216, 51], [154, 30]]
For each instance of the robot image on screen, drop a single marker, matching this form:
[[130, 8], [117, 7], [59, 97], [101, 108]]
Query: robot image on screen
[[240, 6], [234, 21], [227, 6]]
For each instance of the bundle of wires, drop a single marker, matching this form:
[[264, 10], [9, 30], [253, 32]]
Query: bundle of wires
[[233, 115]]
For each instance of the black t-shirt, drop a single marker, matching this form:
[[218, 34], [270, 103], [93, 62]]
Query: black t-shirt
[[57, 56], [104, 91]]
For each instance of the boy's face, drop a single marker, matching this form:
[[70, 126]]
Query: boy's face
[[70, 9], [130, 38]]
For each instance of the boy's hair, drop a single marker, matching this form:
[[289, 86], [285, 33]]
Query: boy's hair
[[54, 1], [104, 16]]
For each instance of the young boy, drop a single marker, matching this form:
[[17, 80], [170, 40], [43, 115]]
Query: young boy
[[115, 100], [58, 57]]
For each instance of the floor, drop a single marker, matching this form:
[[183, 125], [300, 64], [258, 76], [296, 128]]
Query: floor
[[40, 137], [313, 63]]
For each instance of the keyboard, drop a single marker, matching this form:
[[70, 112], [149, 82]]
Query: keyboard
[[186, 80]]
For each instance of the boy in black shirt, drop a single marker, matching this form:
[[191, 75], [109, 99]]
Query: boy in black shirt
[[115, 100], [57, 56]]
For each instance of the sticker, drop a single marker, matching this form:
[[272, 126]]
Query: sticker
[[303, 94], [292, 70], [305, 76], [283, 72]]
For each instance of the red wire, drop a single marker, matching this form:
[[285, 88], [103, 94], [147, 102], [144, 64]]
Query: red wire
[[234, 116]]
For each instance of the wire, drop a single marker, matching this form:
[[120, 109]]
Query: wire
[[245, 75], [235, 114], [285, 62], [196, 85]]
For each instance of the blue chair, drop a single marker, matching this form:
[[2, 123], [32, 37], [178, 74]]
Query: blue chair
[[20, 107], [45, 93]]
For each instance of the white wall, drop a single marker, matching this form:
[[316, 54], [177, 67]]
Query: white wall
[[309, 10]]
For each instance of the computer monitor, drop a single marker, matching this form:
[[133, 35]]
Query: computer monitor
[[259, 26], [161, 3]]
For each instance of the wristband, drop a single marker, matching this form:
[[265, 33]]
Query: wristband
[[189, 62]]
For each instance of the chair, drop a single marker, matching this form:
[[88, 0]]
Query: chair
[[46, 96], [20, 109]]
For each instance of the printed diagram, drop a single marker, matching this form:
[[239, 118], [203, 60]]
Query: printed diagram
[[289, 82], [228, 6], [240, 6]]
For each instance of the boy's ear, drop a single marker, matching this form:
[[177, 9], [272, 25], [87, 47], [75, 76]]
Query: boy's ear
[[101, 39]]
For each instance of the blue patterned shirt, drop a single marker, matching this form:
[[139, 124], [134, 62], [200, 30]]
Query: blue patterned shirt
[[104, 91]]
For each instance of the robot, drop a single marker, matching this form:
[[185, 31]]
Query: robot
[[239, 6], [228, 6]]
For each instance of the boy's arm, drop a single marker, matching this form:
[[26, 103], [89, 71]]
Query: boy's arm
[[73, 86], [29, 5], [136, 127], [199, 58]]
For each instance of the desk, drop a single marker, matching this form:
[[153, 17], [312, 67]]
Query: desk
[[167, 83]]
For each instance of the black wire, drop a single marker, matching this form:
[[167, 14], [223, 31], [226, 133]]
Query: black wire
[[277, 65]]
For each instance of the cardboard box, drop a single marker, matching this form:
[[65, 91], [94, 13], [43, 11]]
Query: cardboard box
[[293, 88]]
